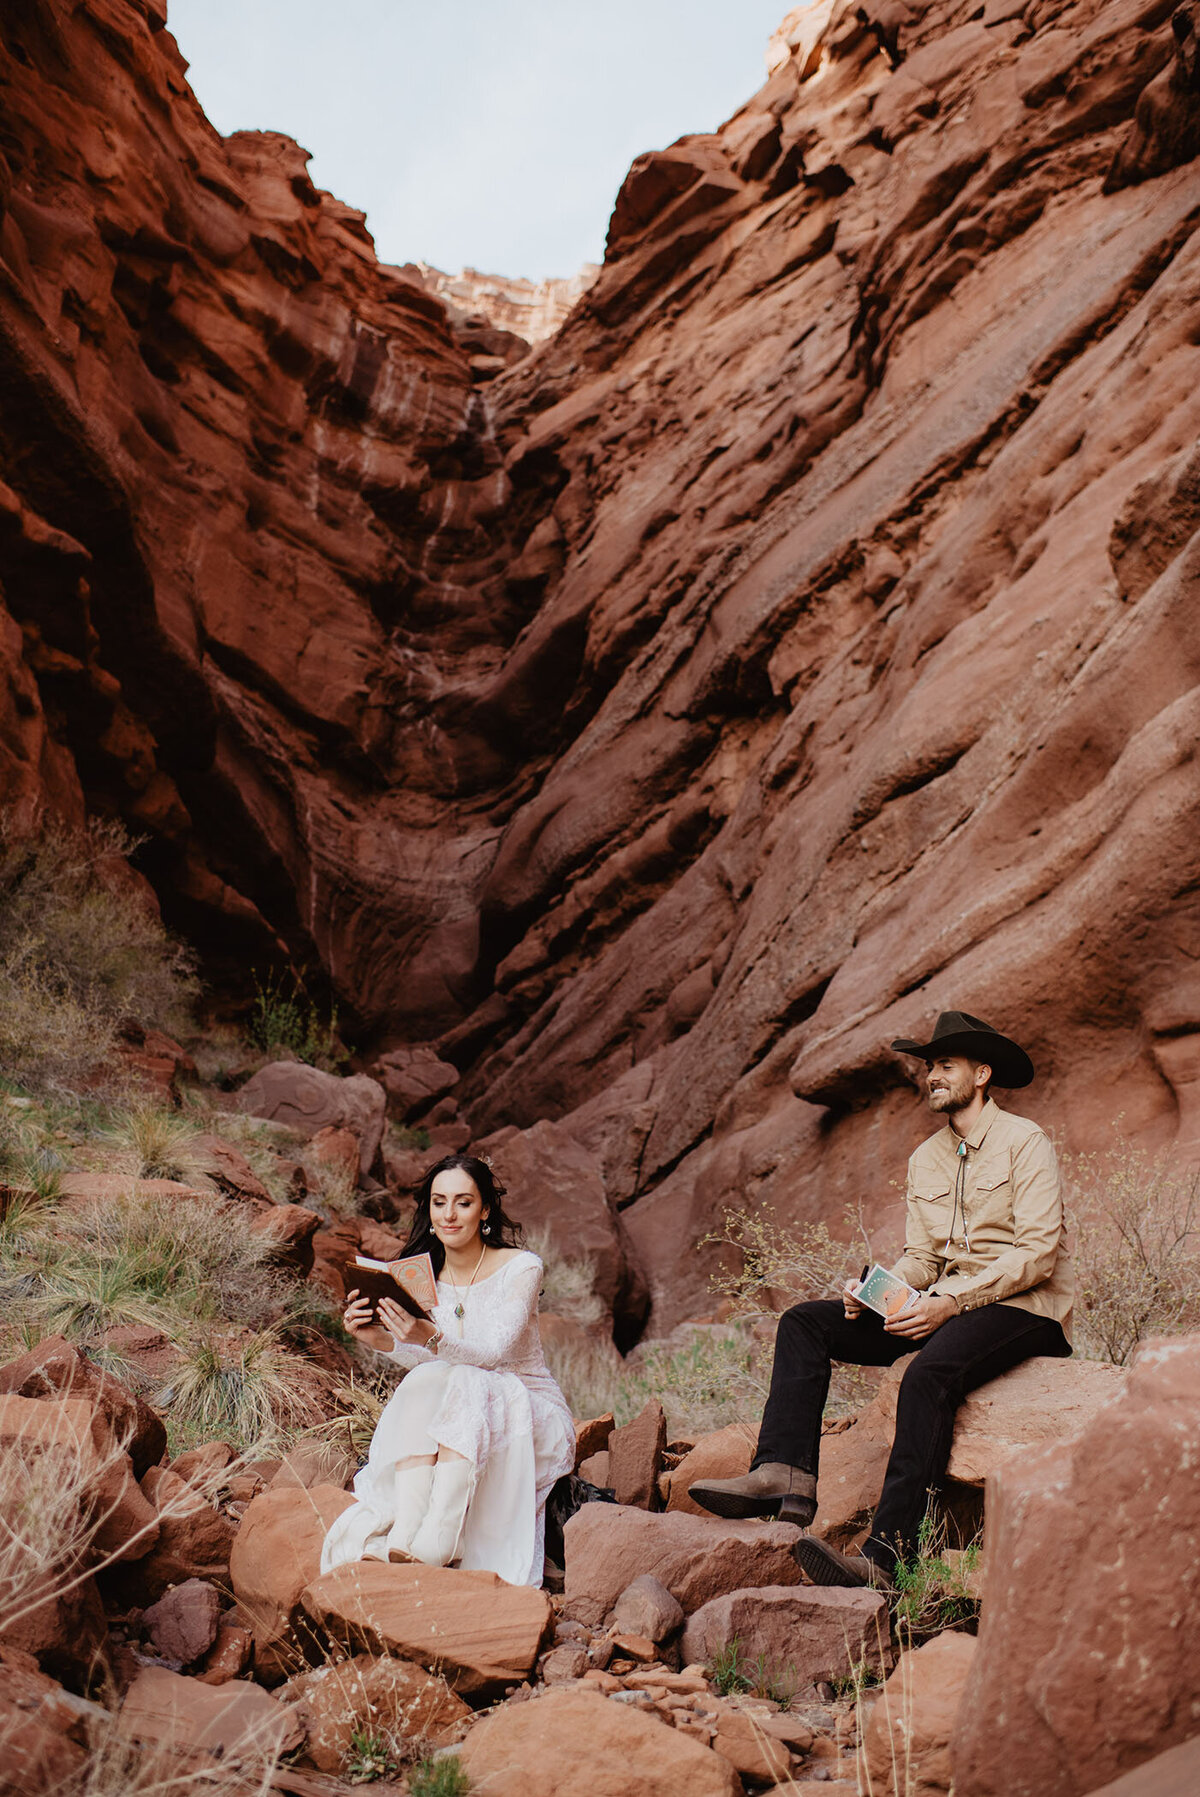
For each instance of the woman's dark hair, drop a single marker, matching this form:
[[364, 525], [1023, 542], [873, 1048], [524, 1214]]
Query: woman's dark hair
[[499, 1229]]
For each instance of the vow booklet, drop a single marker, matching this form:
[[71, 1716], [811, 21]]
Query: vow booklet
[[881, 1291], [411, 1283]]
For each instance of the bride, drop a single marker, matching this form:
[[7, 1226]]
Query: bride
[[467, 1450]]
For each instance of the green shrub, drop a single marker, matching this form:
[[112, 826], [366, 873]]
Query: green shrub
[[79, 950], [370, 1757], [731, 1673], [285, 1022], [443, 1777], [934, 1587]]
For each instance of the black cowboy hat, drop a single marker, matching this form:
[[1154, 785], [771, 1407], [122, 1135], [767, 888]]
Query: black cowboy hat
[[957, 1032]]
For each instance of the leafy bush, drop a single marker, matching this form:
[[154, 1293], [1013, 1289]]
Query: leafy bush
[[935, 1587], [79, 950], [775, 1265], [1138, 1249], [286, 1023]]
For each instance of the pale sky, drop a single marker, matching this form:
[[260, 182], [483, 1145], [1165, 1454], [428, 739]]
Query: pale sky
[[491, 135]]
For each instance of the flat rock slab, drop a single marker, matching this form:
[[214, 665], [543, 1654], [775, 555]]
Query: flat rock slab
[[1175, 1773], [806, 1634], [696, 1558], [480, 1633], [1041, 1401], [574, 1744], [276, 1554], [237, 1720]]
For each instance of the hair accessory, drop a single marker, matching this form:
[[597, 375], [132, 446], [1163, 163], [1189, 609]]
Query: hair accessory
[[487, 1161]]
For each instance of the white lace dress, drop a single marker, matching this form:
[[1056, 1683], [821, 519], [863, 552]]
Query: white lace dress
[[487, 1394]]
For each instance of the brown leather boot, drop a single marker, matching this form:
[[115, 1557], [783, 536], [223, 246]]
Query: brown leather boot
[[825, 1566], [763, 1492]]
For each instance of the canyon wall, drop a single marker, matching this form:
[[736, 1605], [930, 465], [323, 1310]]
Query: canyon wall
[[799, 642]]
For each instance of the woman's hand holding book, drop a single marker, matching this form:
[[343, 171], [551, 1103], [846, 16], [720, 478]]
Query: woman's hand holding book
[[394, 1324]]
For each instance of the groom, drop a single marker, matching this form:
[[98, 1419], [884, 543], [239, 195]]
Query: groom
[[985, 1247]]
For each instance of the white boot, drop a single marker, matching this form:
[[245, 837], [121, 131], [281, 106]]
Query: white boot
[[436, 1541], [410, 1502]]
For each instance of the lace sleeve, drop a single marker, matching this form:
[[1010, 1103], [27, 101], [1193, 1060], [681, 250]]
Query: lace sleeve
[[492, 1332], [406, 1354]]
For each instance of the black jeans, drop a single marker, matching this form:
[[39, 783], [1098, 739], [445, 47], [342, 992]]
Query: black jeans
[[967, 1351]]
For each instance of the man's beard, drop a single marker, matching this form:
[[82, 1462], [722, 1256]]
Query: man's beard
[[954, 1096]]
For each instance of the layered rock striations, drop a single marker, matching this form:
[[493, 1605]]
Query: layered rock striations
[[798, 642]]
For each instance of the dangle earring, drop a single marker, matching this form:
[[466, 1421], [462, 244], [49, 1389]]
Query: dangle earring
[[487, 1229]]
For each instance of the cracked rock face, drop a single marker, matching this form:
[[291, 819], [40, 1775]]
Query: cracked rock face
[[800, 642]]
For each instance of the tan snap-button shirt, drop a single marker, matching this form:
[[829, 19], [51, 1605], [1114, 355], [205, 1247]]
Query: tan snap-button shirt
[[985, 1218]]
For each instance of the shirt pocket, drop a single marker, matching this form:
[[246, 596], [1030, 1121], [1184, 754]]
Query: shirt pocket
[[932, 1203], [989, 1197]]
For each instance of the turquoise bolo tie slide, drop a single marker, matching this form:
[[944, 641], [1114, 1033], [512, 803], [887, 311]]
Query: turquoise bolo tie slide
[[459, 1312]]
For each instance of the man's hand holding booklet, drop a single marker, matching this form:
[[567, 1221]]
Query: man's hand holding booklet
[[882, 1292]]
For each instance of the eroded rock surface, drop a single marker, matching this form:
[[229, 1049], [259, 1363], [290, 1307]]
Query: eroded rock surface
[[797, 643]]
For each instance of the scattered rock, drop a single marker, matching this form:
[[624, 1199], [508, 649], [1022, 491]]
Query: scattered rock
[[311, 1465], [725, 1454], [563, 1665], [370, 1695], [647, 1608], [290, 1229], [1175, 1773], [595, 1470], [413, 1079], [43, 1731], [592, 1436], [233, 1720], [225, 1163], [1079, 1678], [576, 1744], [481, 1633], [906, 1743], [57, 1369], [183, 1623], [276, 1554], [749, 1749], [339, 1151], [229, 1655], [308, 1100], [203, 1466], [809, 1634], [194, 1539], [76, 1436], [635, 1457], [609, 1545]]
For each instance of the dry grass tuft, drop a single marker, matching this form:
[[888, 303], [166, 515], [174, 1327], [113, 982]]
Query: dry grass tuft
[[568, 1282], [152, 1142], [248, 1391]]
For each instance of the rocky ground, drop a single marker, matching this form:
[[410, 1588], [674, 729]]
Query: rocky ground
[[648, 727], [163, 1618]]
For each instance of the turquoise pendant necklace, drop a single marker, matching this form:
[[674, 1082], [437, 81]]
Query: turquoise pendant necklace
[[459, 1310]]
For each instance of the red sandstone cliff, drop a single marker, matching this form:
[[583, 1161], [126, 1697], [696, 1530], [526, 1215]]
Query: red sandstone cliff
[[800, 641]]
